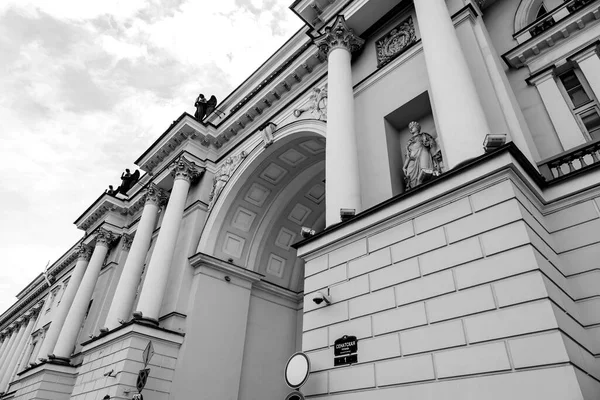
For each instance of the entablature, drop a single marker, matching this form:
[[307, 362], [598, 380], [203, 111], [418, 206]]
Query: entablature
[[559, 25]]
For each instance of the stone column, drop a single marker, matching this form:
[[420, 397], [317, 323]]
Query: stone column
[[155, 282], [11, 365], [568, 131], [10, 340], [461, 122], [5, 339], [70, 330], [120, 309], [11, 354], [341, 157], [589, 62], [59, 316]]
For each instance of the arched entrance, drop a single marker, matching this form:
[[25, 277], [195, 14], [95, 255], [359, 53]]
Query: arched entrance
[[274, 192]]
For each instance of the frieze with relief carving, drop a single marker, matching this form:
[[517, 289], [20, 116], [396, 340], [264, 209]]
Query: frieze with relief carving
[[395, 42]]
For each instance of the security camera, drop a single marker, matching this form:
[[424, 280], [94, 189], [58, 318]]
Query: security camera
[[321, 297]]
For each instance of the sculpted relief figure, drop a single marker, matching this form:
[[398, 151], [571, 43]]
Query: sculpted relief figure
[[423, 158], [267, 131], [222, 176], [317, 104]]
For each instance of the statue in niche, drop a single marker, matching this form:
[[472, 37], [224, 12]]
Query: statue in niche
[[204, 107], [267, 131], [423, 158], [222, 176], [317, 104]]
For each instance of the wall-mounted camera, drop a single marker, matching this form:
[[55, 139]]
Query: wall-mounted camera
[[321, 297]]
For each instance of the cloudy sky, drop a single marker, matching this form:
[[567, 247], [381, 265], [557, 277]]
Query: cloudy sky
[[87, 85]]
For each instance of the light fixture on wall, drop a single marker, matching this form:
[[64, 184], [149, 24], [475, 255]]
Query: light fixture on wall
[[347, 214], [307, 232], [493, 140]]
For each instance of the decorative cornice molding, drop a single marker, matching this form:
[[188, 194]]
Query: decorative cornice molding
[[339, 35], [155, 195], [187, 170]]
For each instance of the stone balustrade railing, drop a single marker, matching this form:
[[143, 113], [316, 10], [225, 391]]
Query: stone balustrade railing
[[579, 158]]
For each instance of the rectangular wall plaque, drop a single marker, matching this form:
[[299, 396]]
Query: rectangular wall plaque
[[344, 350], [395, 42]]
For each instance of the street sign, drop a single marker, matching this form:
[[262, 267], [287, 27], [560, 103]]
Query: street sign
[[295, 395], [344, 350], [297, 370], [148, 353], [142, 379]]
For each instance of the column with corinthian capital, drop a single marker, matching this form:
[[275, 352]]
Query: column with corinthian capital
[[70, 330], [461, 121], [59, 316], [10, 365], [5, 339], [120, 309], [10, 343], [155, 282], [11, 355], [341, 156]]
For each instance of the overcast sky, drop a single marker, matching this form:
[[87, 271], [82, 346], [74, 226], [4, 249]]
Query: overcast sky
[[87, 85]]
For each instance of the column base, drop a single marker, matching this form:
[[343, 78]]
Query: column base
[[52, 359], [139, 317]]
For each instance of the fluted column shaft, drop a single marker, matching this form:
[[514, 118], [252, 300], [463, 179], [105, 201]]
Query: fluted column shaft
[[4, 344], [341, 156], [70, 330], [155, 282], [8, 347], [60, 315], [461, 121], [124, 297], [11, 354], [11, 364]]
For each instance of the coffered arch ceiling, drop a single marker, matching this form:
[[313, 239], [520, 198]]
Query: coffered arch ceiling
[[275, 192]]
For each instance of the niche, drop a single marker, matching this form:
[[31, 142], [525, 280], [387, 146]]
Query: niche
[[397, 134]]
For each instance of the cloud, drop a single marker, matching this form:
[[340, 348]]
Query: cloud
[[87, 86]]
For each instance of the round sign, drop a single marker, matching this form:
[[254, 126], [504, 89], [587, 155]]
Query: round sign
[[294, 396], [297, 370]]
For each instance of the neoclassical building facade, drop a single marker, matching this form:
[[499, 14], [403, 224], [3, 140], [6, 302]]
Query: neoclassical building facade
[[420, 175]]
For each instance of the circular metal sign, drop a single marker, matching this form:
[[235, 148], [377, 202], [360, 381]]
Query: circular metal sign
[[297, 370], [294, 396]]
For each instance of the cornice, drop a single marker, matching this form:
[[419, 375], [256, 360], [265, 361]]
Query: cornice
[[567, 25]]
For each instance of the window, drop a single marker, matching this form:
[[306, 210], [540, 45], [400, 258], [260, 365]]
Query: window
[[65, 283], [582, 102], [50, 300]]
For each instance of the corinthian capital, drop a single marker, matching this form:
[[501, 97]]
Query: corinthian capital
[[155, 195], [187, 170], [104, 237], [339, 36], [127, 240], [84, 252]]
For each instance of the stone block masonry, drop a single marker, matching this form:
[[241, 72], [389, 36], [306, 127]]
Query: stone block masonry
[[464, 289]]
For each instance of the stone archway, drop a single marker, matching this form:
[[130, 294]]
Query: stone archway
[[274, 192]]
